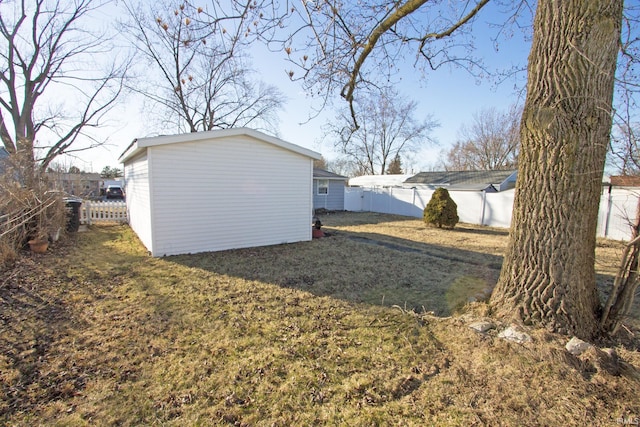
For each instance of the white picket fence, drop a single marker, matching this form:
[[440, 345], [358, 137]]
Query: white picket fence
[[617, 206], [109, 211]]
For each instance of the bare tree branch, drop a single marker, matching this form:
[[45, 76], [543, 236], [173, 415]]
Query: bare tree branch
[[351, 46], [198, 54], [388, 129], [46, 48], [490, 142]]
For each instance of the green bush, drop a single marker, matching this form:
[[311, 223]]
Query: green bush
[[441, 210]]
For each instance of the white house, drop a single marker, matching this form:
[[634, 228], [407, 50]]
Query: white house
[[217, 190], [379, 181], [328, 190]]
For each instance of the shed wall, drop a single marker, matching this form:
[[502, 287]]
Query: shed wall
[[137, 193], [229, 193]]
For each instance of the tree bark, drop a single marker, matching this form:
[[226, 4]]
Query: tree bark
[[548, 275]]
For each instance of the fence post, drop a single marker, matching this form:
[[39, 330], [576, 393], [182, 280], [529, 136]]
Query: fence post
[[87, 211], [607, 213], [484, 203]]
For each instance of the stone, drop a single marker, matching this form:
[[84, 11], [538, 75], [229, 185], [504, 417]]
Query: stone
[[482, 326], [512, 333], [576, 346]]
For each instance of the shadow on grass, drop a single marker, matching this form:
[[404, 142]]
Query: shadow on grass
[[31, 318], [483, 231], [42, 303], [339, 218], [364, 268], [24, 345]]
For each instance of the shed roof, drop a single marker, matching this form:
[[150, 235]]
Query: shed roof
[[324, 174], [625, 180], [140, 144], [461, 178]]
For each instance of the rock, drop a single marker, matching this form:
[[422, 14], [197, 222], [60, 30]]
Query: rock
[[576, 346], [513, 334], [482, 326]]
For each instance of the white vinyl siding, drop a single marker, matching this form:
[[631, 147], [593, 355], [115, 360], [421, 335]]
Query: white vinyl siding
[[136, 174], [228, 193]]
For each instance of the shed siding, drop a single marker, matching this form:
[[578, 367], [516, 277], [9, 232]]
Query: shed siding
[[334, 201], [137, 192], [229, 193]]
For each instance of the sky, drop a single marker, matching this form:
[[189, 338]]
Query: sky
[[451, 96]]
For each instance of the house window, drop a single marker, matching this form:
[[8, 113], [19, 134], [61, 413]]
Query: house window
[[323, 186]]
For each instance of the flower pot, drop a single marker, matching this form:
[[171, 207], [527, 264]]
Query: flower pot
[[38, 246]]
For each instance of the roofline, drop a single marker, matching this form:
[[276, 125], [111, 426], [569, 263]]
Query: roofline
[[512, 173], [334, 177], [139, 144]]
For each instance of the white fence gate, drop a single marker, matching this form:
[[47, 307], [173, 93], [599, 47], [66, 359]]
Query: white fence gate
[[617, 206], [109, 211]]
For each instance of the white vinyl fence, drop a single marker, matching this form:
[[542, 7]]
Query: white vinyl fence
[[617, 206], [110, 211]]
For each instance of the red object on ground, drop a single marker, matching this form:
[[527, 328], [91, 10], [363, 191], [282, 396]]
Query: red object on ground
[[316, 233]]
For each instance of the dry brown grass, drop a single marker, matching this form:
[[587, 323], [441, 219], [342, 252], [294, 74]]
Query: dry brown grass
[[314, 333]]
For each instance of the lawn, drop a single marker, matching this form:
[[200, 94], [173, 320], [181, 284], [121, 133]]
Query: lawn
[[366, 327]]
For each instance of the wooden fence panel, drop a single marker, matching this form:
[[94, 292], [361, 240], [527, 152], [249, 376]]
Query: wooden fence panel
[[111, 211]]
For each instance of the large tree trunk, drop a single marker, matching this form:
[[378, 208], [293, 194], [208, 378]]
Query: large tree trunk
[[548, 275]]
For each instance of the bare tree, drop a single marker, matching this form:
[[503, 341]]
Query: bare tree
[[625, 137], [198, 55], [51, 93], [548, 277], [344, 167], [624, 155], [620, 300], [388, 128], [490, 142], [349, 45], [320, 163]]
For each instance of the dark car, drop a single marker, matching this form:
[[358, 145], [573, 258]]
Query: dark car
[[114, 192]]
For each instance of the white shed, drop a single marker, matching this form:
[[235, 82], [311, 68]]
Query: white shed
[[217, 190]]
